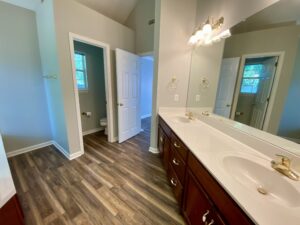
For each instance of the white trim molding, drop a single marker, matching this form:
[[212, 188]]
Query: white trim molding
[[28, 149], [92, 131], [153, 150], [108, 84], [43, 145]]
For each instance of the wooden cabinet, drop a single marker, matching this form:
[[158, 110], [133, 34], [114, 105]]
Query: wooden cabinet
[[11, 213], [202, 200], [197, 208]]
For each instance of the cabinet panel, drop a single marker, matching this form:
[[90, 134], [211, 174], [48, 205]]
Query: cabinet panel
[[175, 184], [178, 165], [178, 146], [11, 213], [229, 209], [197, 208], [164, 146]]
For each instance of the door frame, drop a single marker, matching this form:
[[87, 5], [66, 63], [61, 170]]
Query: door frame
[[108, 83], [275, 85]]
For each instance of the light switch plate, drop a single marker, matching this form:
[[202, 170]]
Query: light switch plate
[[176, 98]]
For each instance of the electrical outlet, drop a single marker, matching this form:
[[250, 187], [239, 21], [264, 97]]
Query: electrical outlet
[[176, 98], [198, 98]]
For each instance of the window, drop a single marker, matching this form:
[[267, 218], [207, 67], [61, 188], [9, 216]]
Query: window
[[251, 78], [81, 74]]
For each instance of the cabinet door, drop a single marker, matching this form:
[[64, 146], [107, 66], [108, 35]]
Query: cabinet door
[[164, 147], [197, 209]]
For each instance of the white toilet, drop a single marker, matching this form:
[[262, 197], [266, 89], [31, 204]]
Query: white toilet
[[103, 123]]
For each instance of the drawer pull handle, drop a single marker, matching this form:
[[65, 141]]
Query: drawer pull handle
[[204, 216], [175, 162], [211, 222], [176, 145], [161, 139], [173, 182]]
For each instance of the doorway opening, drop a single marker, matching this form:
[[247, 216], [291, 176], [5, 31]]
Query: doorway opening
[[255, 91], [147, 71], [91, 79], [134, 92]]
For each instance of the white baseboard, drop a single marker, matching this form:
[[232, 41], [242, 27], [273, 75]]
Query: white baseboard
[[42, 145], [146, 116], [28, 149], [92, 131], [153, 150]]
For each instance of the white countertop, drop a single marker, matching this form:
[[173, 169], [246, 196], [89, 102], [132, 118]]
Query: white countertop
[[7, 187], [210, 146]]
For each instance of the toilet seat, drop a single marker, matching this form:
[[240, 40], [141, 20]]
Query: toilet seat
[[103, 122]]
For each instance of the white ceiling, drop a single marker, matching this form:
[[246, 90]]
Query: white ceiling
[[282, 13], [118, 10]]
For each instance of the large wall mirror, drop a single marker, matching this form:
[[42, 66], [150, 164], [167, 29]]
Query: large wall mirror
[[253, 77]]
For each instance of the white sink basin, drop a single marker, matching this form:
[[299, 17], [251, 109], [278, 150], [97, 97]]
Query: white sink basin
[[262, 180]]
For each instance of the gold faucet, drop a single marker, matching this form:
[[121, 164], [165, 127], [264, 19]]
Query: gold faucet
[[190, 115], [284, 167]]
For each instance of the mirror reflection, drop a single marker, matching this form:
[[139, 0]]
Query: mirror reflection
[[258, 82]]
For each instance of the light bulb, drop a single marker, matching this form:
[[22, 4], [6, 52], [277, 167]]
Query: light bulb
[[216, 39], [199, 34], [193, 40], [208, 41], [207, 29], [225, 34]]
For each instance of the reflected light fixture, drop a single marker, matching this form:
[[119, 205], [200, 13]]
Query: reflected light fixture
[[208, 33]]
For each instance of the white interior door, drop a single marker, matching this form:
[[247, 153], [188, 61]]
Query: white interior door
[[263, 94], [128, 89], [227, 81]]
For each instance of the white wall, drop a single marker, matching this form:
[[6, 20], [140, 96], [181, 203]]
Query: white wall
[[175, 22], [283, 39], [206, 63], [50, 66], [178, 20], [71, 16], [23, 109], [146, 86], [93, 100], [138, 21], [290, 120]]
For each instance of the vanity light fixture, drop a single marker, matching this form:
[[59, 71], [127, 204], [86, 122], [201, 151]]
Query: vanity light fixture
[[208, 33]]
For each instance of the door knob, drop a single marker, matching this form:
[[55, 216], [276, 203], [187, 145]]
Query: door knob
[[120, 104], [228, 105]]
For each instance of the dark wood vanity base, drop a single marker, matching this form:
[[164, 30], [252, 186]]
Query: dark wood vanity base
[[202, 200], [11, 213]]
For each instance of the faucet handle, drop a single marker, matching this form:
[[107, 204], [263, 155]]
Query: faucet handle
[[285, 160]]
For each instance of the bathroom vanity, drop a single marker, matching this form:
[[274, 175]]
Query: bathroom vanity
[[10, 210], [209, 171]]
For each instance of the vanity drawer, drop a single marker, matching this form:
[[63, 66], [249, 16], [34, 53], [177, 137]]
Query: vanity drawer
[[178, 165], [229, 209], [178, 146], [175, 184]]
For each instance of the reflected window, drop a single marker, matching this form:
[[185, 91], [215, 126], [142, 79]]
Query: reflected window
[[81, 74], [251, 78]]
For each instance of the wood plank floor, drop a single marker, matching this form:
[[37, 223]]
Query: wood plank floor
[[110, 184]]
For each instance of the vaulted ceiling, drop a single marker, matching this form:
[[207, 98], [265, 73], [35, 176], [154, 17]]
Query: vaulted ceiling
[[118, 10], [284, 12]]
